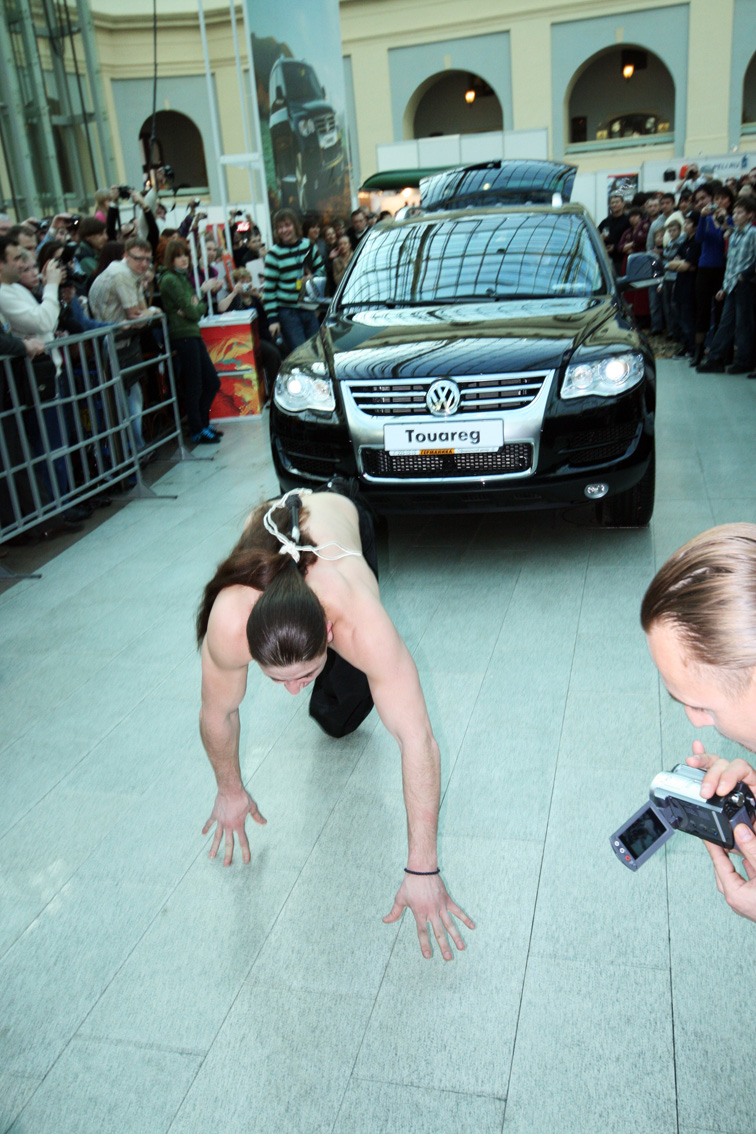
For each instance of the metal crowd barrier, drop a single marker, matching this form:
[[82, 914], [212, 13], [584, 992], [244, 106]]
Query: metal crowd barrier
[[62, 443]]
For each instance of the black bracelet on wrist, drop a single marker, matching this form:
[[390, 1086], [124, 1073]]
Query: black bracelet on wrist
[[422, 873]]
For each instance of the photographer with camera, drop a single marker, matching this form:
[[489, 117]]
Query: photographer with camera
[[191, 221], [699, 615]]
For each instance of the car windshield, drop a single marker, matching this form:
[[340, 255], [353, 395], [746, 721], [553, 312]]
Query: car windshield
[[301, 84], [494, 256]]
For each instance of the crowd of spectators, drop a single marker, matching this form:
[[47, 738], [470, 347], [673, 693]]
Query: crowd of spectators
[[119, 265], [704, 234]]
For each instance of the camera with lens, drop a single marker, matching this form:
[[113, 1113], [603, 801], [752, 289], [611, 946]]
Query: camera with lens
[[124, 192], [676, 804]]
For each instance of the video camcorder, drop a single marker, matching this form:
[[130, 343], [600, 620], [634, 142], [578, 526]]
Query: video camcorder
[[676, 804]]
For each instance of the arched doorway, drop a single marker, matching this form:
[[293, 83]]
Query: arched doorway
[[749, 93], [179, 145], [623, 92], [452, 102]]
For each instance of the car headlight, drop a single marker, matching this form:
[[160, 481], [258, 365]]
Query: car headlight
[[302, 389], [604, 378], [306, 126]]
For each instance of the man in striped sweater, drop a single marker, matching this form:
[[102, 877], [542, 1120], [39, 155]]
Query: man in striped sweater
[[288, 265]]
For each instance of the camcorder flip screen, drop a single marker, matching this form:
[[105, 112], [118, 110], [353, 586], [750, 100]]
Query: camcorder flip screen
[[643, 833], [640, 837]]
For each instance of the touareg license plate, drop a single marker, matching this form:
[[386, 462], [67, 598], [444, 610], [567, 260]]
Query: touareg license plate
[[444, 437]]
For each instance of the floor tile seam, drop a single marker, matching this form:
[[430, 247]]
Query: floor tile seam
[[605, 962], [543, 852], [88, 752], [362, 755], [368, 1022], [92, 580], [78, 688], [491, 653], [139, 1045], [425, 1087], [234, 999], [76, 1032]]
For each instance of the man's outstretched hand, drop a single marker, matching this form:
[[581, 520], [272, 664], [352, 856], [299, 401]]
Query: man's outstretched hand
[[426, 896], [230, 815]]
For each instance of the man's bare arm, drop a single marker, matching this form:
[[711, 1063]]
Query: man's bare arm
[[223, 688], [373, 645]]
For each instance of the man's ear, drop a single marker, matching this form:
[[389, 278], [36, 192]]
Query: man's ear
[[329, 631]]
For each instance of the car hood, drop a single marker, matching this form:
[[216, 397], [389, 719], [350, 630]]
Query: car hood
[[311, 109], [471, 338]]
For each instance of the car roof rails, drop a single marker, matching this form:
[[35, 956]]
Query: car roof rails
[[500, 182]]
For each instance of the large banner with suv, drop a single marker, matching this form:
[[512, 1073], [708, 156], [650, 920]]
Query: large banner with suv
[[301, 97]]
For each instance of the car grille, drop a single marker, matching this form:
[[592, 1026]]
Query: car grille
[[325, 123], [320, 459], [405, 397], [588, 448], [515, 458], [331, 154]]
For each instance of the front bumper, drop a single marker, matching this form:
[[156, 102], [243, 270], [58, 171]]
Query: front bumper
[[610, 442]]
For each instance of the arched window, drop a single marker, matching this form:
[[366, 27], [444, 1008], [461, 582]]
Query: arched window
[[749, 94], [621, 93], [452, 102], [180, 145]]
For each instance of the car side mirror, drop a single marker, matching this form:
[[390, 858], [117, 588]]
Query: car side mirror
[[322, 91], [280, 96], [642, 271]]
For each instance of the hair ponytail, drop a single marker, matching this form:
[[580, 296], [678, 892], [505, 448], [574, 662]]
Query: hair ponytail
[[287, 624]]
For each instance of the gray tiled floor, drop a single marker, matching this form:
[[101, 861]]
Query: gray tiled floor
[[145, 989]]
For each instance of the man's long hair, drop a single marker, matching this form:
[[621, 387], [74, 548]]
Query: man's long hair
[[287, 624]]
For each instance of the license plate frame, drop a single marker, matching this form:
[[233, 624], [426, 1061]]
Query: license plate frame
[[443, 437]]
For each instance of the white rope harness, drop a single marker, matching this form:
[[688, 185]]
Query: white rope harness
[[289, 546]]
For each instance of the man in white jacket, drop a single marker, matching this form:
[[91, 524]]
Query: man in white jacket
[[26, 316]]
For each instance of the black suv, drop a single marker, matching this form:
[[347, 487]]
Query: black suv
[[308, 152], [480, 358]]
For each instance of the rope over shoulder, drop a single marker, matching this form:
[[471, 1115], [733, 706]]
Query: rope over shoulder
[[290, 546]]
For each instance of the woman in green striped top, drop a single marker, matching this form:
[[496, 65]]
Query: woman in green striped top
[[288, 264]]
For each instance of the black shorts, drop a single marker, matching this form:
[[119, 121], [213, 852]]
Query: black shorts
[[341, 696]]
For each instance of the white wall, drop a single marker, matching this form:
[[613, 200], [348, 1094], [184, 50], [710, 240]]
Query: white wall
[[462, 149]]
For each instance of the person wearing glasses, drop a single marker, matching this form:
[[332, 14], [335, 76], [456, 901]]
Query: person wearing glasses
[[116, 296]]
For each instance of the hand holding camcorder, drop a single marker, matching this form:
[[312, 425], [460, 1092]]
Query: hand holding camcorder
[[676, 804]]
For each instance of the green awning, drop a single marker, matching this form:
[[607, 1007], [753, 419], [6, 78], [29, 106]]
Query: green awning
[[401, 178]]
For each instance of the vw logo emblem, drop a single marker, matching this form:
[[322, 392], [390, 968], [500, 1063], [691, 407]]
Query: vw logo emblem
[[443, 398]]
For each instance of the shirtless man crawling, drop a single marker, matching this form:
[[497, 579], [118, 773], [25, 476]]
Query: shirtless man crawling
[[299, 596]]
